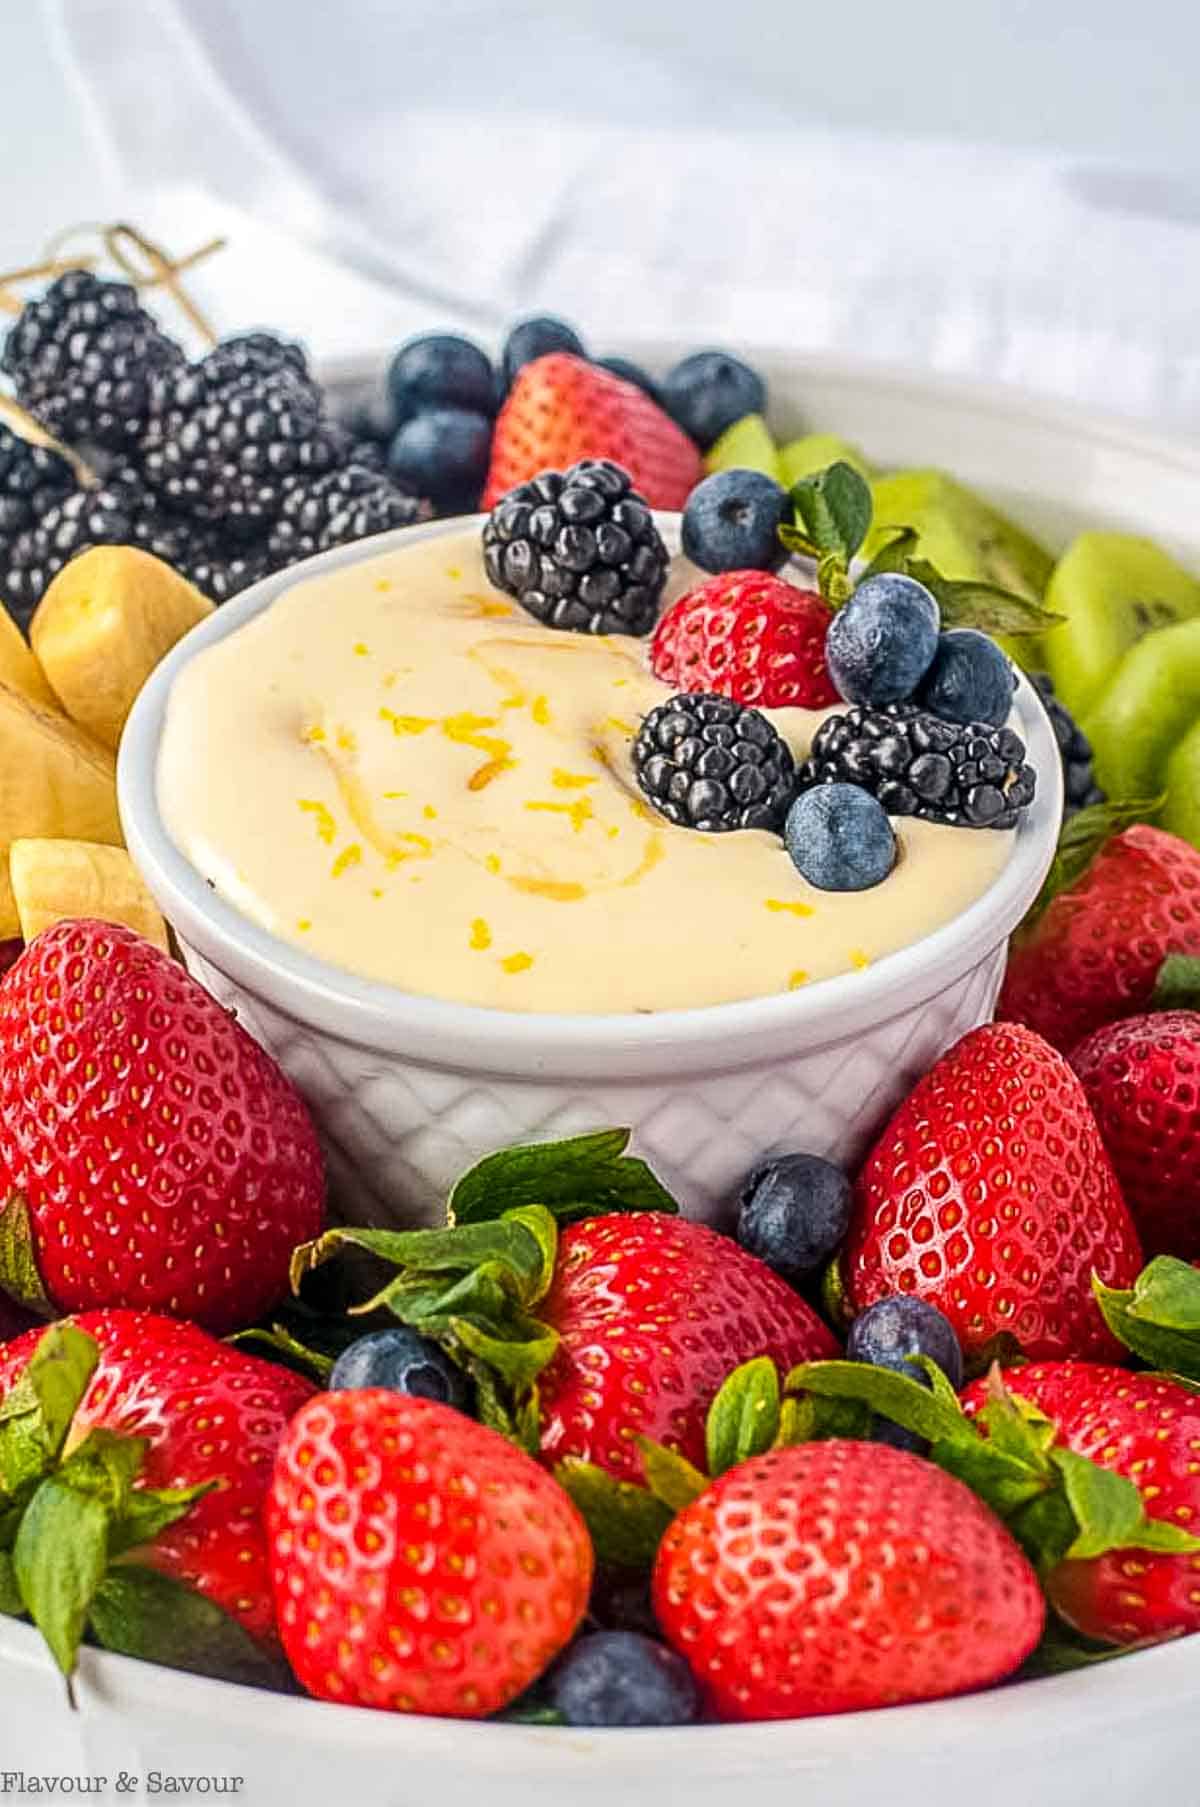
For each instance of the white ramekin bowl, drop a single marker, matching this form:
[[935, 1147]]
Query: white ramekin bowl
[[408, 1090]]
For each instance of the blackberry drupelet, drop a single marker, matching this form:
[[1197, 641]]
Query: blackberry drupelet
[[579, 550], [916, 764], [227, 454], [707, 762], [33, 479], [349, 504], [83, 358], [1079, 779]]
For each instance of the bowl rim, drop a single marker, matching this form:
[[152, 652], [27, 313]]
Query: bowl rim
[[390, 1020]]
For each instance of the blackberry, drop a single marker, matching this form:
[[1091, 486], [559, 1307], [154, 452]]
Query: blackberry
[[1079, 779], [220, 570], [707, 762], [254, 355], [103, 516], [350, 504], [83, 358], [226, 453], [33, 479], [579, 550], [965, 775]]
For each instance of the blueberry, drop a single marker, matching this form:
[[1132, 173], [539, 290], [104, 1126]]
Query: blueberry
[[536, 338], [970, 679], [731, 522], [839, 838], [881, 644], [404, 1362], [795, 1211], [709, 391], [443, 454], [632, 373], [610, 1678], [440, 370], [887, 1333]]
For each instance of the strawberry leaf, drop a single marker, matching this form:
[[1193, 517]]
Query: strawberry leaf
[[37, 1413], [808, 1418], [890, 1395], [626, 1522], [1110, 1514], [988, 607], [59, 1560], [743, 1419], [1080, 840], [584, 1176], [1177, 986], [139, 1612], [277, 1342], [1159, 1318], [670, 1476], [895, 551], [20, 1277], [1062, 1650], [834, 509]]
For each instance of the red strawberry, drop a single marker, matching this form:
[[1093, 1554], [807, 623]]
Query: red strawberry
[[561, 408], [990, 1195], [1142, 1079], [1094, 953], [161, 1157], [208, 1413], [653, 1312], [749, 636], [1147, 1428], [837, 1576], [421, 1562]]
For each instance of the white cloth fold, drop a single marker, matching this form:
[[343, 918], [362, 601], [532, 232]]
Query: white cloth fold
[[454, 161]]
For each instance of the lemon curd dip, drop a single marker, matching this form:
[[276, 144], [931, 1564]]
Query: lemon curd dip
[[397, 769]]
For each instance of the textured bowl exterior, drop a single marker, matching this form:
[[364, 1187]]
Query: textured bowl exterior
[[398, 1132]]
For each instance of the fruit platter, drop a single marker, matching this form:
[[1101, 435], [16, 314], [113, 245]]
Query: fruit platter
[[599, 1073]]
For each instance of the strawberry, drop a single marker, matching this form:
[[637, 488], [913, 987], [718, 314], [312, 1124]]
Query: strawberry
[[651, 1313], [421, 1563], [151, 1153], [210, 1417], [1147, 1428], [561, 409], [989, 1194], [750, 636], [627, 1321], [1142, 1079], [838, 1576], [1093, 954]]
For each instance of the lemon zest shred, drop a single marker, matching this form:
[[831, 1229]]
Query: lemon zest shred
[[569, 781], [326, 826], [794, 908], [481, 935], [349, 856], [517, 963], [406, 724]]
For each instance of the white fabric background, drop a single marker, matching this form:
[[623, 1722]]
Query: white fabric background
[[1006, 190]]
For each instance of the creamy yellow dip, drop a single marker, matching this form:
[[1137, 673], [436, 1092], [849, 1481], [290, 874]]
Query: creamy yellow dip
[[400, 771]]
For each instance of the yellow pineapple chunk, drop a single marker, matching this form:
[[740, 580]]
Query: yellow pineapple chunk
[[54, 880], [18, 666], [102, 627], [54, 780]]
